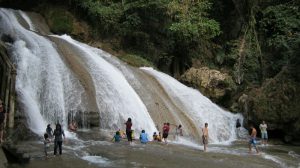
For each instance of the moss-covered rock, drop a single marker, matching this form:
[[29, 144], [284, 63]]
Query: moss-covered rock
[[212, 83], [276, 102], [61, 21]]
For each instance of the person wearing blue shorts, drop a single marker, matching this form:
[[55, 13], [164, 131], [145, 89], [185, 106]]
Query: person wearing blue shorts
[[252, 140], [264, 133]]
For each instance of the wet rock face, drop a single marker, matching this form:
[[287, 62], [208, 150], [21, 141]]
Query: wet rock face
[[85, 119], [276, 102], [212, 83]]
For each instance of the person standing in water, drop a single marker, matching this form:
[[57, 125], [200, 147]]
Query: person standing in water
[[252, 140], [46, 144], [49, 131], [166, 129], [128, 130], [179, 130], [238, 124], [264, 134], [58, 138], [205, 136]]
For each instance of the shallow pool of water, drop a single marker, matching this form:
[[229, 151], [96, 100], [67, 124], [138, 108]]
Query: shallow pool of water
[[92, 149]]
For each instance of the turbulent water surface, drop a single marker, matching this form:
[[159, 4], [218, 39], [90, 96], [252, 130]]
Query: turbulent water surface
[[59, 77]]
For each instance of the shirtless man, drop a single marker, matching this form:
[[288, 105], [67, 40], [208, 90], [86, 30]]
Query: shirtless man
[[253, 139], [205, 136]]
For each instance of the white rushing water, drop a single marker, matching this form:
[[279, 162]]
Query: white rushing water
[[201, 110], [48, 90], [116, 99]]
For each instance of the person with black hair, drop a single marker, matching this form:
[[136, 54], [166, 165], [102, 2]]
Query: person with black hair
[[252, 140], [166, 129], [58, 138], [128, 130], [49, 131], [238, 124], [46, 144], [117, 137], [205, 136]]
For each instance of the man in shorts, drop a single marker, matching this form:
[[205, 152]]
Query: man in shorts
[[264, 134], [205, 136], [252, 140]]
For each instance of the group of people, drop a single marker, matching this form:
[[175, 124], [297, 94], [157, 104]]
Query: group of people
[[253, 135], [57, 135], [157, 137]]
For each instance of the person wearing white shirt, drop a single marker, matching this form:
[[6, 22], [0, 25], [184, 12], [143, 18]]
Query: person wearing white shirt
[[264, 134]]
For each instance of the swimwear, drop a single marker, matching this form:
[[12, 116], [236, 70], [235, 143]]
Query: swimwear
[[204, 140], [252, 141], [264, 135]]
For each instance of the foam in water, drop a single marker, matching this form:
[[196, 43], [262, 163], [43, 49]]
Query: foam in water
[[221, 124], [101, 161]]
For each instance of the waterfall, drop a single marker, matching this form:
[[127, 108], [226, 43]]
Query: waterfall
[[200, 109], [115, 98], [57, 75], [46, 89]]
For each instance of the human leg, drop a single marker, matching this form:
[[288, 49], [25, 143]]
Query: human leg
[[205, 142], [60, 147], [55, 147], [250, 145]]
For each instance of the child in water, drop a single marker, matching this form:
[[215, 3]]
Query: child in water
[[144, 137], [117, 137], [46, 144]]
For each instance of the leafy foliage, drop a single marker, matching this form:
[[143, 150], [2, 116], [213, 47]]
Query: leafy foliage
[[161, 29], [281, 27], [136, 61], [59, 21]]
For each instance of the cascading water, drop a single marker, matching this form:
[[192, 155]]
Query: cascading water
[[49, 90], [46, 88], [200, 109], [116, 99], [57, 75]]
